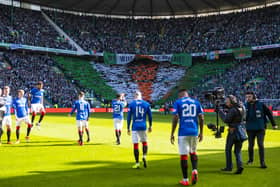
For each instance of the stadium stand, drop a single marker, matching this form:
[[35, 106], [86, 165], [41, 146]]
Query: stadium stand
[[260, 74], [145, 36], [118, 78], [25, 26], [153, 79], [160, 36], [24, 70], [84, 75]]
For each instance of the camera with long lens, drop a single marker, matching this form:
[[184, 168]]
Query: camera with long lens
[[217, 98]]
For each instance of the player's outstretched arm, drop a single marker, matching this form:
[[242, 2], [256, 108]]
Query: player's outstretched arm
[[173, 128], [88, 111], [29, 96], [26, 106], [201, 122], [128, 121], [74, 107], [149, 112]]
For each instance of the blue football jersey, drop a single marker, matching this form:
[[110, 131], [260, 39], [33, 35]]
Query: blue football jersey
[[83, 109], [37, 96], [9, 103], [188, 110], [138, 109], [118, 107], [21, 107]]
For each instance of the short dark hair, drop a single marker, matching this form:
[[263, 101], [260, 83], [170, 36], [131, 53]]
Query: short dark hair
[[182, 90], [118, 95], [250, 93]]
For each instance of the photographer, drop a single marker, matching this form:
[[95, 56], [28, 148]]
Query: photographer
[[256, 120], [233, 117]]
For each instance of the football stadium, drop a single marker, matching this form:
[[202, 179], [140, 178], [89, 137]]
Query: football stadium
[[139, 93]]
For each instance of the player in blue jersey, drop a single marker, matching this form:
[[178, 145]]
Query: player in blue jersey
[[7, 120], [188, 111], [2, 112], [138, 110], [118, 105], [36, 97], [20, 105], [82, 116]]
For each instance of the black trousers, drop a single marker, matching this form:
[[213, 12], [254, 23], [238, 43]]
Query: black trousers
[[252, 134], [230, 142]]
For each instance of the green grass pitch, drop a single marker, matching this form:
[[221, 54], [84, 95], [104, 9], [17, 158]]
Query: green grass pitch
[[54, 159]]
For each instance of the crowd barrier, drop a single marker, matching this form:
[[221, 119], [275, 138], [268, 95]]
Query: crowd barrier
[[67, 110]]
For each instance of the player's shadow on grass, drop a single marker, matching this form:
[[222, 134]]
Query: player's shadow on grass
[[160, 172]]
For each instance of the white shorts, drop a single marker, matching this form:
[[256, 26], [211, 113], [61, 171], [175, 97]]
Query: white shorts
[[24, 119], [7, 120], [118, 124], [187, 144], [136, 135], [37, 108], [82, 123]]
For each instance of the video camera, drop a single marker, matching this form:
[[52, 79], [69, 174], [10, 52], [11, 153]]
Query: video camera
[[217, 98]]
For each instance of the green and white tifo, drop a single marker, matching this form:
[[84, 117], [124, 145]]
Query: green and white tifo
[[54, 159]]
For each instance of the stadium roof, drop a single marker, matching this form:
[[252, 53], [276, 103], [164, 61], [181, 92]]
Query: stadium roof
[[149, 7]]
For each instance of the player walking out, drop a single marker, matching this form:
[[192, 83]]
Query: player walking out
[[118, 105], [2, 112], [83, 112], [21, 112], [7, 120], [187, 111], [139, 109], [37, 96]]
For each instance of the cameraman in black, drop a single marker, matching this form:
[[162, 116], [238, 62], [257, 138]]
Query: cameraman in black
[[256, 119], [233, 117]]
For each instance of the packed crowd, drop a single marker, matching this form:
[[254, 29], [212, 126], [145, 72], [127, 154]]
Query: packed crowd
[[146, 36], [167, 77], [154, 79], [23, 26], [117, 77], [198, 34], [260, 74], [25, 70]]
